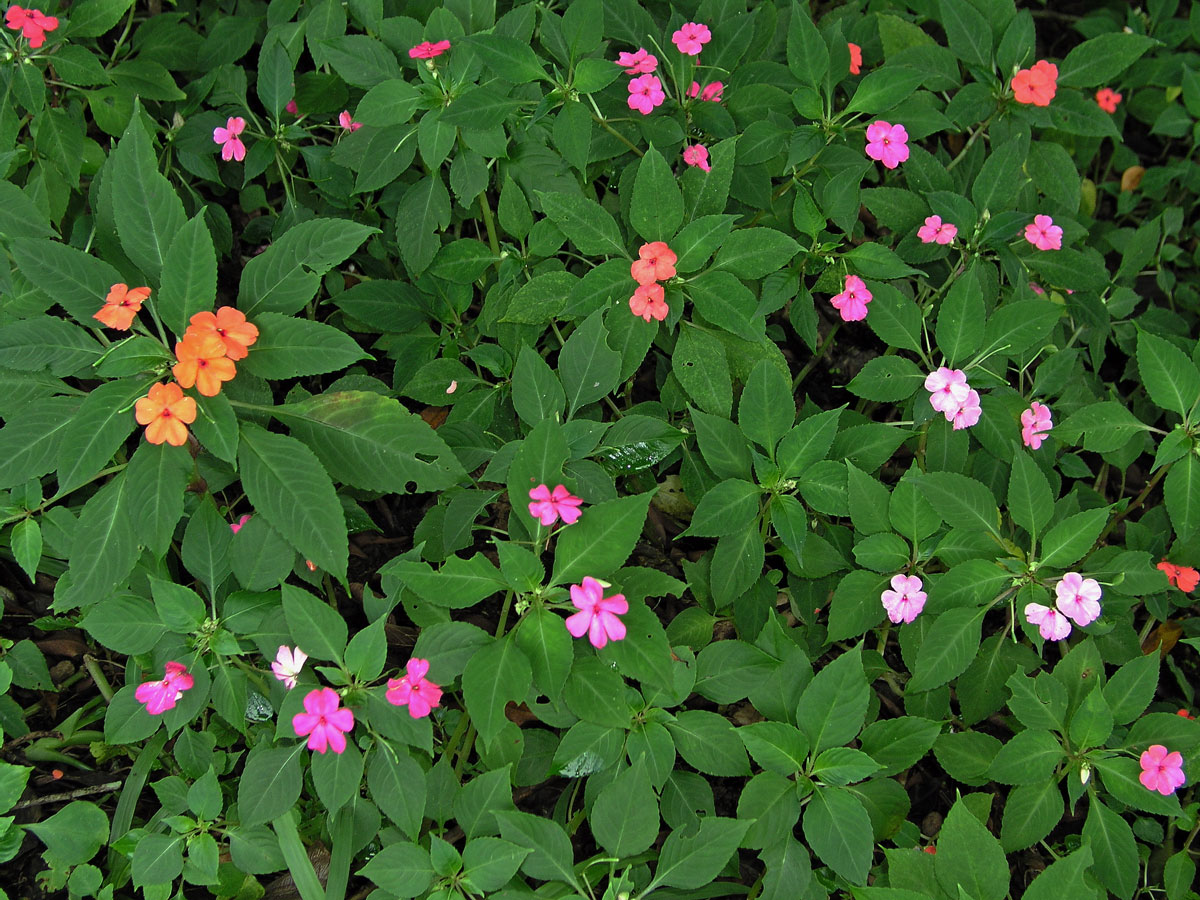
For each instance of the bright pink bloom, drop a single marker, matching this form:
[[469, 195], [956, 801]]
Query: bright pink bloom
[[968, 413], [1044, 234], [32, 23], [235, 527], [597, 616], [648, 301], [1161, 771], [414, 690], [550, 506], [347, 121], [291, 107], [1107, 99], [934, 231], [655, 262], [231, 145], [948, 390], [697, 155], [323, 721], [159, 696], [640, 62], [1036, 85], [887, 143], [1035, 425], [852, 302], [645, 93], [288, 664], [710, 92], [691, 38], [1052, 625], [855, 58], [1078, 598], [905, 600], [427, 50]]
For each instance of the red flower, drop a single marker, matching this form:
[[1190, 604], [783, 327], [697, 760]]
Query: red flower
[[427, 50], [855, 58], [1183, 577], [1107, 99], [32, 23], [1036, 85]]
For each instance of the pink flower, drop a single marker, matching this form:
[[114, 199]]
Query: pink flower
[[288, 664], [231, 145], [292, 107], [414, 690], [323, 721], [697, 155], [641, 62], [691, 38], [1044, 234], [1036, 85], [597, 616], [887, 143], [852, 302], [648, 302], [1161, 771], [855, 58], [1035, 425], [1078, 598], [550, 506], [1052, 625], [948, 390], [1037, 288], [967, 413], [710, 92], [426, 50], [235, 527], [906, 599], [645, 93], [159, 696], [32, 23], [1107, 99], [655, 262], [347, 122], [934, 231]]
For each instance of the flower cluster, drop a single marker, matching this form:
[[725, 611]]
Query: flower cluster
[[159, 696], [935, 231], [550, 506], [950, 395], [1044, 234], [32, 23], [428, 50], [887, 143], [905, 600], [655, 263], [122, 305], [1036, 85], [1077, 600], [852, 302], [230, 140], [1035, 425], [1183, 577]]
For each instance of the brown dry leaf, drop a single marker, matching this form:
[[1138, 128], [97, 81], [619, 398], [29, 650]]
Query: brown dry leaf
[[1132, 177], [1162, 638], [435, 415]]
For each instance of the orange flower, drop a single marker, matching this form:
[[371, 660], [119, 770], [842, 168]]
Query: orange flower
[[655, 262], [202, 362], [229, 325], [121, 305], [1036, 85], [166, 413], [1183, 577], [855, 58]]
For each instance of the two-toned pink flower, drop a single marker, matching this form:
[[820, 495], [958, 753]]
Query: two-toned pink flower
[[711, 93], [697, 155], [287, 665], [1077, 599], [428, 49]]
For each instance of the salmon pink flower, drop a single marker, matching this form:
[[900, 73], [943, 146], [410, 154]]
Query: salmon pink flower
[[855, 58], [1183, 577], [414, 690], [697, 155], [1052, 625], [691, 38], [645, 93], [597, 616], [1044, 234], [550, 506], [1036, 85], [323, 721], [1107, 99], [655, 262], [235, 527], [648, 302], [288, 663], [968, 413], [229, 325], [710, 92], [159, 696], [203, 363], [121, 306], [1035, 425], [935, 231], [166, 413], [231, 145], [905, 600], [427, 50], [1078, 598], [1161, 771], [32, 23], [347, 121], [887, 143], [640, 62], [852, 302]]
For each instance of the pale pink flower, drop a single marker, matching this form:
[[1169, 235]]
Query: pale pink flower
[[288, 664], [1161, 771], [1035, 425], [292, 107], [887, 143], [427, 50], [968, 413], [697, 155], [852, 302], [1044, 234], [905, 600], [691, 38], [414, 690], [640, 62], [645, 93], [648, 301], [231, 145], [159, 696], [597, 616], [323, 721], [1078, 598], [347, 121], [235, 527], [934, 231], [710, 92], [550, 506], [1052, 625], [948, 390]]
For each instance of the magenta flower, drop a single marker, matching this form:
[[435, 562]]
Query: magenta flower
[[1078, 598], [1044, 234], [1052, 625], [427, 50], [159, 696], [1037, 288], [288, 664], [323, 721], [645, 93], [292, 107], [414, 690], [697, 155], [906, 599], [347, 121], [852, 302], [1035, 425], [691, 38], [968, 413], [710, 92], [887, 143], [550, 506], [1161, 771], [948, 390], [597, 616], [640, 62], [231, 145], [934, 231], [235, 527]]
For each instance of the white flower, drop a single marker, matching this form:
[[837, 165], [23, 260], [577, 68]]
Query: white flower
[[288, 664]]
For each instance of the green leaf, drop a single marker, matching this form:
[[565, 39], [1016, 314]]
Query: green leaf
[[1030, 756], [1132, 687], [157, 859], [899, 743], [960, 319], [402, 869], [970, 39], [398, 786], [724, 448], [708, 743], [512, 59], [588, 368], [316, 626], [993, 188], [807, 53], [838, 829], [29, 444], [874, 260], [1064, 879], [26, 543], [737, 563], [1016, 326], [882, 89], [834, 705], [968, 856], [288, 347], [481, 798], [1120, 778], [96, 431], [698, 240], [459, 584], [696, 861], [1115, 850], [755, 252], [390, 102], [1071, 538], [92, 18], [700, 364], [776, 746], [1179, 874], [270, 784], [362, 61], [601, 541], [1170, 378], [1030, 502], [856, 606], [728, 508], [1104, 426], [624, 819], [551, 857], [76, 281], [843, 765], [541, 299], [645, 653], [725, 302], [496, 674], [887, 379], [1182, 491], [763, 414], [536, 391], [728, 671], [656, 210], [1031, 812], [595, 692], [545, 641], [961, 501], [1101, 59], [590, 227], [948, 648], [105, 548], [895, 318], [807, 443], [490, 863], [189, 278]]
